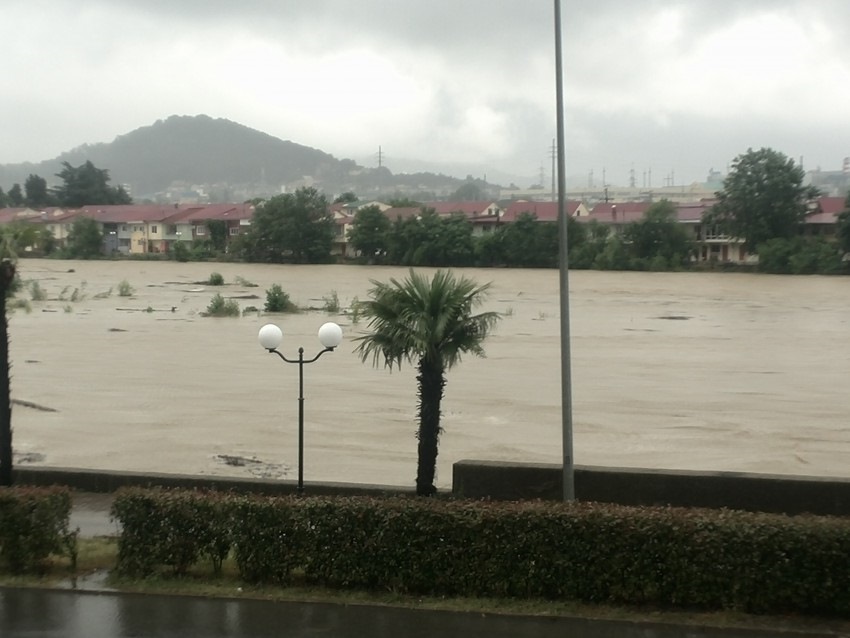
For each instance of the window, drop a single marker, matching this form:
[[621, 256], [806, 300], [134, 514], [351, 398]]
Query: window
[[712, 232], [200, 230], [124, 228], [153, 230], [234, 230]]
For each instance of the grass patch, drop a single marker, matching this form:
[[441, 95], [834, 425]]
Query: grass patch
[[331, 303], [245, 283]]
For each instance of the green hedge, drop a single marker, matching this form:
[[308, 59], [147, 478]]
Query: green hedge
[[33, 526], [174, 528], [711, 559]]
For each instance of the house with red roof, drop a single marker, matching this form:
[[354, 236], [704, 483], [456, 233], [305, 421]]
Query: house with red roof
[[543, 211], [822, 216]]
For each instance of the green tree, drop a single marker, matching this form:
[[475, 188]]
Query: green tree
[[346, 198], [36, 193], [294, 227], [763, 197], [593, 240], [658, 238], [404, 202], [406, 235], [800, 256], [86, 184], [447, 241], [218, 233], [431, 323], [19, 235], [470, 191], [85, 240], [15, 196], [369, 233], [3, 200], [529, 243]]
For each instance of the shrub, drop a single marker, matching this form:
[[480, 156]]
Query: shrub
[[125, 289], [216, 279], [20, 304], [331, 303], [173, 528], [278, 301], [37, 293], [662, 556], [180, 251], [221, 307], [356, 309], [33, 526]]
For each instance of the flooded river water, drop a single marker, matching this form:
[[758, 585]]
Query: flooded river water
[[670, 370]]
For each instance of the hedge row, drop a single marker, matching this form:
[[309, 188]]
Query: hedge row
[[33, 526], [712, 559]]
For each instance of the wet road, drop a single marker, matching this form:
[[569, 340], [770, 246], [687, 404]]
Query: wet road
[[31, 613]]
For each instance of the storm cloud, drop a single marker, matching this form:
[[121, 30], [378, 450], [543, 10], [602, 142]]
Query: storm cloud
[[666, 87]]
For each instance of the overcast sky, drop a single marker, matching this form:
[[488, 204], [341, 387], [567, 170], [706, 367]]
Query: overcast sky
[[670, 87]]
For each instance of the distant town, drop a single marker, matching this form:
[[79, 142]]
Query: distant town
[[796, 223]]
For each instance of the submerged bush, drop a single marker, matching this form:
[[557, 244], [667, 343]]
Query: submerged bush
[[278, 301], [221, 307]]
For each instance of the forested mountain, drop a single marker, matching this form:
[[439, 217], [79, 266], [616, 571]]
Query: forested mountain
[[225, 158]]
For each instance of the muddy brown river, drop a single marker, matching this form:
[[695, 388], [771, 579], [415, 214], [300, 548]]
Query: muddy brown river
[[670, 370]]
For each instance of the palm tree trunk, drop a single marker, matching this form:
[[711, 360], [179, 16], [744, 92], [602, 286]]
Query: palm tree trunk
[[431, 380], [7, 276]]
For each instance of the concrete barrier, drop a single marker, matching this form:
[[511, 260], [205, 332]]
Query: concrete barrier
[[111, 480], [635, 486], [519, 481]]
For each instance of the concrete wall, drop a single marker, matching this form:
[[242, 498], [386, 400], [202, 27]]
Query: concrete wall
[[515, 481], [627, 486], [109, 481]]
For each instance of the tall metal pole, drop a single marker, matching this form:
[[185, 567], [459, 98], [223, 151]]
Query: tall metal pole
[[300, 489], [563, 267]]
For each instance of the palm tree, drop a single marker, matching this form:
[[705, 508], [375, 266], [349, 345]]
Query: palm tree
[[432, 323]]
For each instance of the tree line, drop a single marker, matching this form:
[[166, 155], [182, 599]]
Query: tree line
[[83, 185], [300, 228], [764, 202]]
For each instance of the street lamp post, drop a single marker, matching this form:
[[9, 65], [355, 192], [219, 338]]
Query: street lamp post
[[568, 471], [330, 336]]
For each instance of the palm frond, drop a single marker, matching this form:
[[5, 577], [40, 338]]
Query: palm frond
[[420, 318]]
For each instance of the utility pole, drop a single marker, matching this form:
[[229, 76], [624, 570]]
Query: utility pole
[[569, 493]]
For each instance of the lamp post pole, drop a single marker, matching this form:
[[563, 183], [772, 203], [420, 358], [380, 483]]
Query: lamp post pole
[[563, 267], [270, 336]]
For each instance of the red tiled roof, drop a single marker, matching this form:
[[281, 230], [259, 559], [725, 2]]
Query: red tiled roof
[[544, 211], [693, 211], [470, 209], [827, 210], [126, 213], [402, 212], [220, 212], [619, 212]]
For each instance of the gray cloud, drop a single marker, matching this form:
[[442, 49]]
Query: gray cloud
[[473, 81]]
